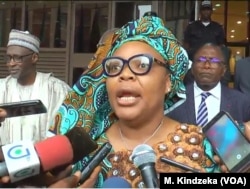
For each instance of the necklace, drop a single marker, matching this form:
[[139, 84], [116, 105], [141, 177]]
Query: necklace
[[146, 140]]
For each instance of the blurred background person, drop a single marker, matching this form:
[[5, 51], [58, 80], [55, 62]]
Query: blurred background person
[[208, 68], [26, 83], [242, 76], [202, 31]]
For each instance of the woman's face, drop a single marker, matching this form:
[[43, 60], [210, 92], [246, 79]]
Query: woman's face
[[132, 96]]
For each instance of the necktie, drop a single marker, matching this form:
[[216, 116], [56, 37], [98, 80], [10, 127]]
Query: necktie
[[202, 110]]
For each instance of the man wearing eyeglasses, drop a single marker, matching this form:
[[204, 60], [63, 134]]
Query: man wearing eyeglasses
[[208, 68], [202, 31], [26, 83]]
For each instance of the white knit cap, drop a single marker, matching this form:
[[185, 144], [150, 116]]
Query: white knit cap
[[206, 4], [24, 39]]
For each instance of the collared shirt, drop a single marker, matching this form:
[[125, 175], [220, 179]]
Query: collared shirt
[[213, 101]]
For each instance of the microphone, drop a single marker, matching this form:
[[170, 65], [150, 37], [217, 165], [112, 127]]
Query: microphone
[[144, 157], [116, 182], [24, 159], [96, 159]]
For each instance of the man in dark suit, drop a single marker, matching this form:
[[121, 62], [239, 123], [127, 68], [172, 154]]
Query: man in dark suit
[[208, 68], [241, 76], [205, 30]]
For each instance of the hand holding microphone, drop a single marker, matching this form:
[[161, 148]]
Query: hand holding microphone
[[73, 180], [4, 179], [96, 159], [3, 114], [23, 159], [247, 130]]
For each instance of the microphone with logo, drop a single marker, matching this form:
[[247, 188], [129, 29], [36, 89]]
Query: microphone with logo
[[144, 158], [24, 159], [116, 182]]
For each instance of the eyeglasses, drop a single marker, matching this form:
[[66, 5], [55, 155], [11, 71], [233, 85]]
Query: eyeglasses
[[213, 61], [15, 58], [139, 64]]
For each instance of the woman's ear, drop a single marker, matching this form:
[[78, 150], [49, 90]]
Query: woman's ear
[[168, 84]]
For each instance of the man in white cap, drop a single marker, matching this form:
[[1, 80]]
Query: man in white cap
[[26, 83]]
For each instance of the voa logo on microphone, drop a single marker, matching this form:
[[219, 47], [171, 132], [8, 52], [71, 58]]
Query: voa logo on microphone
[[21, 160]]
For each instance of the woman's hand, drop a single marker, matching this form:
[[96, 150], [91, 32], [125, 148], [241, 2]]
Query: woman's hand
[[90, 182], [73, 180]]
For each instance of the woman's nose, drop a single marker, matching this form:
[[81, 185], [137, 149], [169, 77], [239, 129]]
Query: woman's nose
[[126, 73]]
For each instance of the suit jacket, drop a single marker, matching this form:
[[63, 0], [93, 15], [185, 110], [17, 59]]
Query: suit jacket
[[242, 76], [234, 102]]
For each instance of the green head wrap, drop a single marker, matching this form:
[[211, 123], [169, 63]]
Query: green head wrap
[[87, 104], [151, 29]]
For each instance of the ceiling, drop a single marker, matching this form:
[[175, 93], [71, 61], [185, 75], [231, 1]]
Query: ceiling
[[237, 24]]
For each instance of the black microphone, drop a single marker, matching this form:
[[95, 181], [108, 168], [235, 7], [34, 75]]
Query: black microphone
[[144, 158], [96, 159], [24, 159]]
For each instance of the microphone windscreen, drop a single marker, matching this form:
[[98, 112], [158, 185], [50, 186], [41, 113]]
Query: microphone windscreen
[[54, 151], [116, 182], [81, 142], [65, 149], [143, 154]]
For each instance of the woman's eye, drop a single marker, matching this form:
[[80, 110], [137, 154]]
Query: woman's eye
[[114, 67], [144, 65]]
